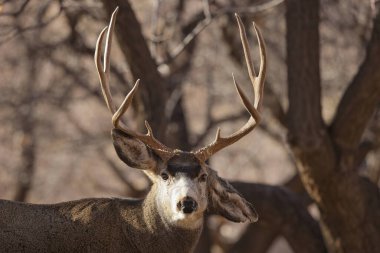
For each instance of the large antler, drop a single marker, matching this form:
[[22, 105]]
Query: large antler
[[104, 75], [258, 85]]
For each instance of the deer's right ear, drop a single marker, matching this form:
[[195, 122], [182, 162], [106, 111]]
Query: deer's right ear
[[132, 151]]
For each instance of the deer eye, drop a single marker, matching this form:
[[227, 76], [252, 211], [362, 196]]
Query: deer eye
[[164, 176], [203, 178]]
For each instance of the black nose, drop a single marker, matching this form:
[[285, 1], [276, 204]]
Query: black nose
[[187, 205]]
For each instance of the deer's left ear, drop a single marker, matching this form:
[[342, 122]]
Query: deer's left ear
[[227, 202]]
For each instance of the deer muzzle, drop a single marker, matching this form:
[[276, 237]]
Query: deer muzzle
[[187, 205]]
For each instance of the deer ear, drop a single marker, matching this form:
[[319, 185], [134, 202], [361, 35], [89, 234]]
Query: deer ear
[[132, 151], [227, 202]]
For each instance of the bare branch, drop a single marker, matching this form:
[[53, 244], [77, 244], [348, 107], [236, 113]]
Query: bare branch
[[16, 31], [212, 123], [17, 12], [281, 209], [133, 191], [361, 98], [207, 16], [186, 41]]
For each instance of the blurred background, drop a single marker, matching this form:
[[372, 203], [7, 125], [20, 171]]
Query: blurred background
[[55, 140]]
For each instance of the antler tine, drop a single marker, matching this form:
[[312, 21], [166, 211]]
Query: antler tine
[[104, 71], [258, 84], [259, 92], [107, 51], [257, 81], [104, 75], [247, 51], [124, 105]]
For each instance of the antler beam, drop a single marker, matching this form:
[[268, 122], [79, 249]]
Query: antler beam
[[219, 143], [104, 76]]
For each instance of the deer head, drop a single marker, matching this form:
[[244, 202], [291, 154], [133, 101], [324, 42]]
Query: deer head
[[185, 186]]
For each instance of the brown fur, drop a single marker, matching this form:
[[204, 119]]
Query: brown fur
[[90, 225], [148, 225]]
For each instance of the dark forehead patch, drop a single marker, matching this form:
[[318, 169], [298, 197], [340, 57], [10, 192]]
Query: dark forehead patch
[[184, 163]]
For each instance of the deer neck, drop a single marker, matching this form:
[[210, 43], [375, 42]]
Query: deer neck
[[160, 232]]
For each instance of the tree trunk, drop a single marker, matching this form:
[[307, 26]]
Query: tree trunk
[[349, 204]]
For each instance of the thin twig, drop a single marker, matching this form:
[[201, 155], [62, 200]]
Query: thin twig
[[211, 16], [19, 30], [16, 13]]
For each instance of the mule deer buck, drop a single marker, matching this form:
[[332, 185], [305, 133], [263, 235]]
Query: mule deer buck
[[170, 218]]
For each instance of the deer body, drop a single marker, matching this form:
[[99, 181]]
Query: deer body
[[153, 224], [170, 219], [91, 225]]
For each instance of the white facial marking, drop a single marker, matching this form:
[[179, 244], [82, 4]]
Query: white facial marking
[[175, 189]]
